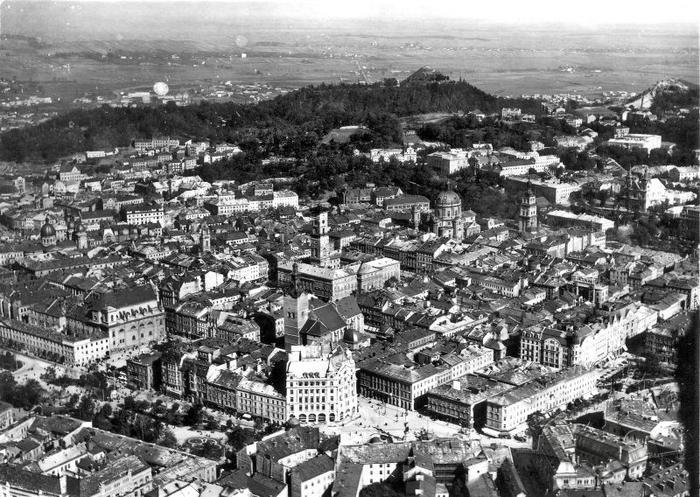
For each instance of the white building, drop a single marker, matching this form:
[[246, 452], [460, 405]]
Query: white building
[[449, 162], [632, 141], [321, 384], [378, 154]]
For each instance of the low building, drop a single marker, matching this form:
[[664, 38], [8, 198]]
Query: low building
[[569, 219]]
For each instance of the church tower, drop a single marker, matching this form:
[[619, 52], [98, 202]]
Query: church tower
[[415, 217], [528, 210], [296, 311], [205, 238], [81, 237]]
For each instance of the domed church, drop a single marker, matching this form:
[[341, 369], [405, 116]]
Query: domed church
[[447, 220]]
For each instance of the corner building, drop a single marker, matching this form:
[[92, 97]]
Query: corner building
[[321, 384]]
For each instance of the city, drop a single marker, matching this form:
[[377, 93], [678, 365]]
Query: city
[[399, 287]]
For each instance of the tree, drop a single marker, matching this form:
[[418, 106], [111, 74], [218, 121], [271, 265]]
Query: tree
[[240, 437], [29, 394], [85, 408], [7, 386], [194, 415], [167, 439]]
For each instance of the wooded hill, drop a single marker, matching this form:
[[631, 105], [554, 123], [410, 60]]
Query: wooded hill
[[314, 109]]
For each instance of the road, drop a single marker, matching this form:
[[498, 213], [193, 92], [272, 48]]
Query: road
[[379, 418]]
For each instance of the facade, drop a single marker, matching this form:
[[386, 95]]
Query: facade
[[143, 372], [130, 317], [139, 215], [375, 273], [321, 385], [569, 219], [324, 282], [386, 154], [509, 411], [636, 141], [555, 191], [407, 202], [447, 163], [261, 400], [77, 350], [407, 387]]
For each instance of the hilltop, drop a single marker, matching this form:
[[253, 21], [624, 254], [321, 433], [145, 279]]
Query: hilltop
[[313, 109], [665, 94]]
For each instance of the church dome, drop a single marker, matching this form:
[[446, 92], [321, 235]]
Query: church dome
[[47, 230], [448, 198]]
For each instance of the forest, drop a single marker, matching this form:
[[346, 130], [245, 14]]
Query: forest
[[283, 121]]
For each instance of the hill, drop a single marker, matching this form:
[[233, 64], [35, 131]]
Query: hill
[[666, 94], [314, 109]]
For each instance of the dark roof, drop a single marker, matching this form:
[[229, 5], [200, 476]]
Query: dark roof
[[123, 297], [28, 480], [313, 467]]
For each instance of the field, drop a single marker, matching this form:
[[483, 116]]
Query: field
[[86, 49]]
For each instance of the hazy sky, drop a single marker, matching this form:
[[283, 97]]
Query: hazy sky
[[586, 12]]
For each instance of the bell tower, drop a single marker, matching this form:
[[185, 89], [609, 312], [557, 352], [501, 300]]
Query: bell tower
[[205, 238], [528, 210]]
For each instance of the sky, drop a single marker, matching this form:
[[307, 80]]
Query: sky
[[587, 12], [516, 11]]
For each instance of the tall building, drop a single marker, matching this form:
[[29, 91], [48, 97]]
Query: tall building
[[296, 311], [320, 242], [321, 384], [528, 211]]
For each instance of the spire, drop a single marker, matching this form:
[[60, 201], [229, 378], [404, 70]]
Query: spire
[[294, 293]]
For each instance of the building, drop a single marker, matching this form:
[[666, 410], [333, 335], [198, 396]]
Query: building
[[139, 215], [623, 138], [143, 145], [569, 219], [143, 372], [261, 400], [70, 173], [320, 242], [373, 274], [555, 191], [407, 203], [407, 386], [324, 282], [528, 211], [447, 163], [448, 220], [386, 154], [509, 410], [600, 445], [673, 481], [77, 350], [321, 384], [130, 317]]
